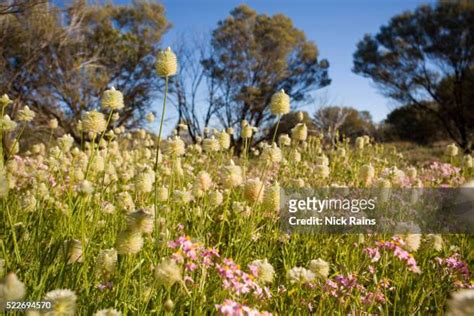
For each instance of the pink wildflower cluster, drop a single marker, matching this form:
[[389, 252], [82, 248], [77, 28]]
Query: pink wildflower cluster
[[232, 308], [443, 171], [192, 254], [342, 285], [458, 268], [239, 281], [370, 298], [394, 245]]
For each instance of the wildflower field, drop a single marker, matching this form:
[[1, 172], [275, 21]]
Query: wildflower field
[[122, 223]]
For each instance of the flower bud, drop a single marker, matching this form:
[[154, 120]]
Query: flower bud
[[5, 101], [299, 132], [366, 173], [300, 116], [452, 150], [53, 124]]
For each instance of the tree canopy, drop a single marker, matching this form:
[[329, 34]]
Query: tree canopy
[[425, 58], [410, 123], [255, 55], [60, 60], [345, 121]]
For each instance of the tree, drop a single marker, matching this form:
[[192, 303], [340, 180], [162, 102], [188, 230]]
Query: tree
[[59, 61], [410, 123], [345, 121], [425, 58], [18, 6], [256, 55], [190, 87]]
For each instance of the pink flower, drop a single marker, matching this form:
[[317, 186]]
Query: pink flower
[[456, 267], [395, 246], [232, 308], [373, 297], [373, 253], [342, 285], [238, 281]]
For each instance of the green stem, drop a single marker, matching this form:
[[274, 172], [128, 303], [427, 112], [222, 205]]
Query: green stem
[[17, 138], [276, 129], [161, 124], [158, 153], [1, 137]]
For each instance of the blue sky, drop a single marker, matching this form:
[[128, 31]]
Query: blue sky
[[334, 25]]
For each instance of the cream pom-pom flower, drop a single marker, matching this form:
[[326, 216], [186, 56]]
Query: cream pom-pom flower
[[26, 115], [272, 154], [175, 147], [300, 116], [53, 123], [4, 101], [366, 173], [271, 198], [247, 131], [265, 271], [168, 273], [7, 124], [231, 175], [141, 221], [210, 144], [11, 288], [166, 63], [452, 150], [112, 99], [322, 171], [280, 103], [107, 262], [319, 267], [436, 241], [254, 190], [284, 140], [299, 132], [63, 302], [300, 275], [94, 122], [150, 117], [203, 181], [360, 142], [129, 242], [224, 139]]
